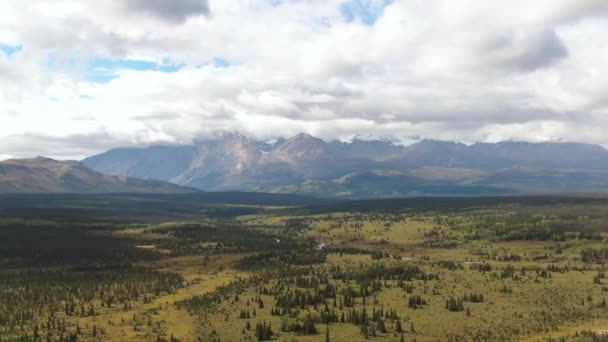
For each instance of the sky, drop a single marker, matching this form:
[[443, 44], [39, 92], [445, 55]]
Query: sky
[[78, 77]]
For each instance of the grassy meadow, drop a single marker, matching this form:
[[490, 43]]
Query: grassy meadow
[[483, 269]]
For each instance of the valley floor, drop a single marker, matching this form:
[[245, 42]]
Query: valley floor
[[516, 271]]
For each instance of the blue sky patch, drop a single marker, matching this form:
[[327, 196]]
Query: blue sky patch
[[217, 62], [368, 11], [103, 70], [133, 64], [98, 76], [221, 62], [51, 59], [9, 50]]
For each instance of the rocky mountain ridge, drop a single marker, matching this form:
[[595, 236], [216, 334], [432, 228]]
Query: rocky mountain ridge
[[235, 162]]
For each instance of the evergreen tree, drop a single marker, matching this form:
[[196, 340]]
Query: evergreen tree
[[380, 326], [309, 327]]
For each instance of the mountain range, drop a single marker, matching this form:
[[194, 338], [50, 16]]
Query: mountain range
[[44, 175], [364, 168]]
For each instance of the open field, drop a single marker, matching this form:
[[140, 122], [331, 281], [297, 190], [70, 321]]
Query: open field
[[472, 270]]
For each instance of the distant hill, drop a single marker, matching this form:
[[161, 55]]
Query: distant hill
[[373, 167], [44, 175], [436, 181]]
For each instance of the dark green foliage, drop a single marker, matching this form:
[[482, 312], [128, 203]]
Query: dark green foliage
[[43, 243], [507, 272], [448, 264], [393, 271], [594, 255], [126, 208], [454, 304], [263, 331], [206, 303], [398, 327], [309, 328], [27, 298], [189, 238], [505, 289], [597, 279], [380, 327], [473, 298], [289, 275], [481, 267], [416, 301]]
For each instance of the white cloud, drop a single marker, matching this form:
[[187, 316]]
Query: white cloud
[[465, 70], [174, 11]]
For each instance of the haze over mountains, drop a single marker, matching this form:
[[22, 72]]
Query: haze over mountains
[[364, 168], [44, 175]]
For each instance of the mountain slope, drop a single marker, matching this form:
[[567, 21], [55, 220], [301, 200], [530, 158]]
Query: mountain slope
[[544, 155], [374, 167], [373, 149], [437, 181], [222, 164], [44, 175], [155, 162]]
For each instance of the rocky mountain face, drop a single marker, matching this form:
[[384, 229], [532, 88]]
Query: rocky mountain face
[[362, 167], [44, 175]]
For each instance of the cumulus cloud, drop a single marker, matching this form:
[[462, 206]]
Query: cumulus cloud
[[95, 74], [524, 50], [173, 11]]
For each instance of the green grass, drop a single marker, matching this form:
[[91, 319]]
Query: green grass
[[526, 258]]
